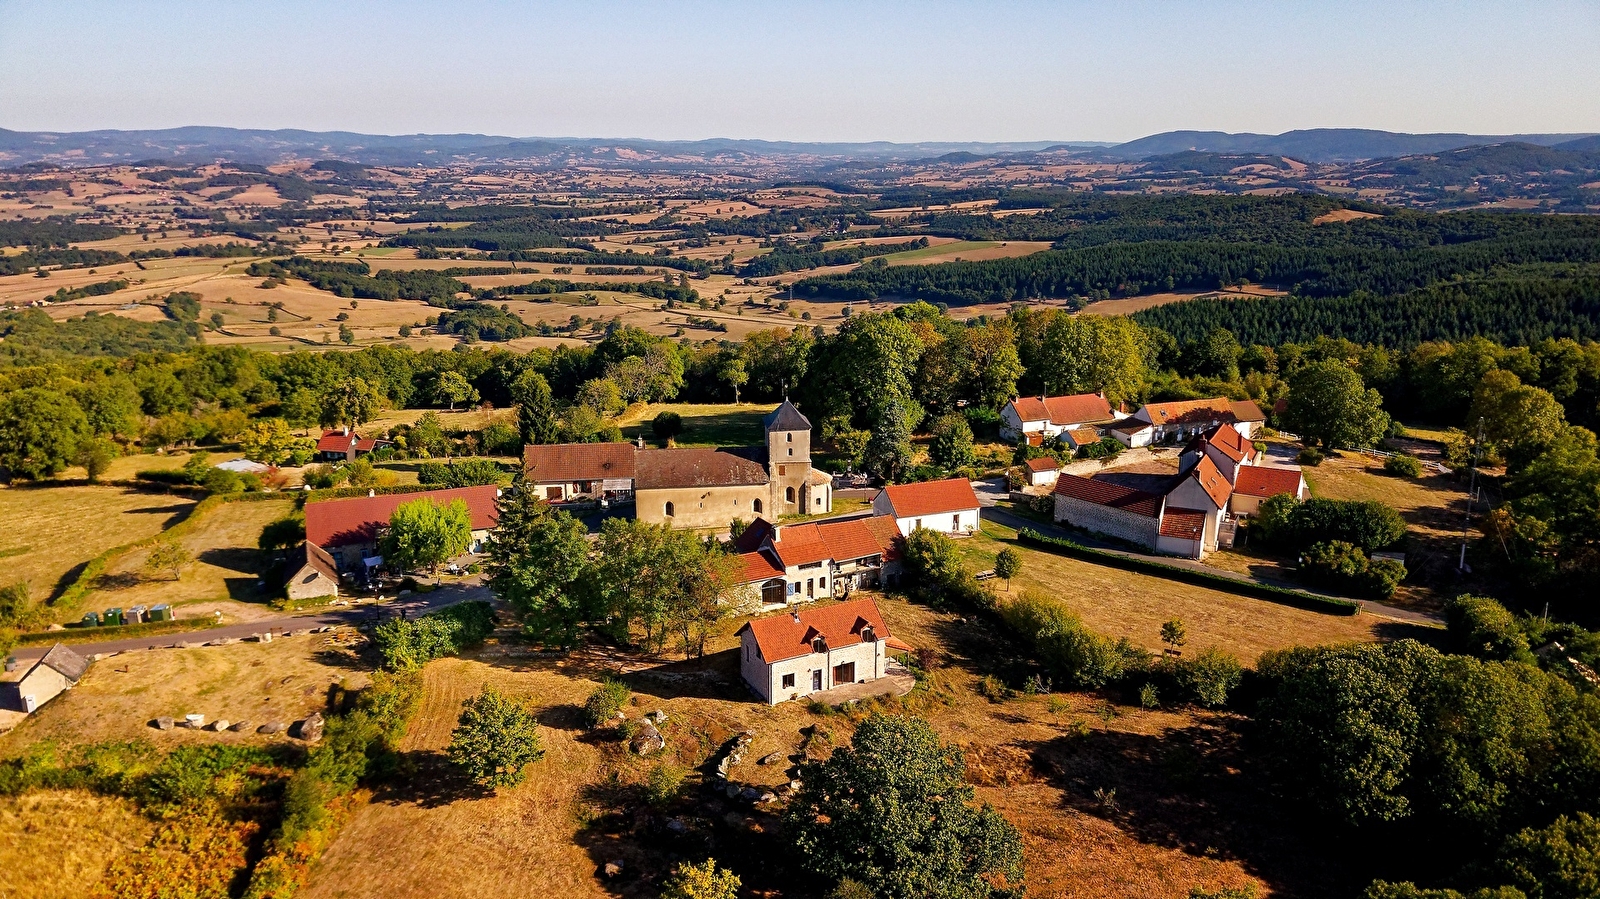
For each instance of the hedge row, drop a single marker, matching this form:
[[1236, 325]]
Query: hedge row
[[1283, 595]]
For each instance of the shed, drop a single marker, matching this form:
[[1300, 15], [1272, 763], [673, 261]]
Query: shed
[[57, 671]]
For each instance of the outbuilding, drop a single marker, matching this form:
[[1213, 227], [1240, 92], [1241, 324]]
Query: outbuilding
[[25, 689]]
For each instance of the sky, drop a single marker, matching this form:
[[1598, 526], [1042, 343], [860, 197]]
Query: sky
[[814, 71]]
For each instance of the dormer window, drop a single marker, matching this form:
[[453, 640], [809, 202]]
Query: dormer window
[[819, 644], [868, 635]]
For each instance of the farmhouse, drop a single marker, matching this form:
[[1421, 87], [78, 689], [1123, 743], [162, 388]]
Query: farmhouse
[[348, 529], [25, 689], [1219, 480], [800, 562], [948, 506], [796, 654], [1176, 422], [1033, 418], [691, 487], [344, 445]]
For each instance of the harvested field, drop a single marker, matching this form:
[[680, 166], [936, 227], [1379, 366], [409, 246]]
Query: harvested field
[[224, 576], [968, 251], [64, 527], [284, 680], [57, 843], [1121, 603], [1343, 215], [1130, 305]]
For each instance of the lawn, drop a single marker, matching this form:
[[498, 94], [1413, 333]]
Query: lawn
[[704, 424], [52, 531], [1121, 603], [223, 576]]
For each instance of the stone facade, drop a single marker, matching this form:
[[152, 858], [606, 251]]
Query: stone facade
[[1100, 519], [701, 507]]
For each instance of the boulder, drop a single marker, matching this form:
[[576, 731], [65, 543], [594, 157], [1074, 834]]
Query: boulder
[[750, 794], [310, 730], [195, 721], [272, 727], [678, 825], [768, 796], [772, 758], [732, 791], [613, 869], [239, 727], [165, 722], [657, 717], [219, 725], [647, 739]]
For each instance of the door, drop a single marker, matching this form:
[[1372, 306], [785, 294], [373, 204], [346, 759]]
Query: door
[[816, 679], [844, 674]]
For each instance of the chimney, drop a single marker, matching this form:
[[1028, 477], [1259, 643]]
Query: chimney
[[346, 430], [777, 533], [371, 493], [639, 441], [795, 615]]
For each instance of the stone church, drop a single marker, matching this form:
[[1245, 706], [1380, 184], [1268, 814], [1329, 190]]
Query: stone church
[[690, 487]]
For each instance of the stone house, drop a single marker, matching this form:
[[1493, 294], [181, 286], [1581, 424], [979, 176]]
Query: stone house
[[948, 506], [792, 563], [25, 688], [1028, 417], [797, 653], [580, 472], [1177, 422]]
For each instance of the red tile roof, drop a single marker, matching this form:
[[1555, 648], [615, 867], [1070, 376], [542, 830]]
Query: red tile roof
[[1104, 493], [337, 441], [1228, 439], [697, 467], [788, 635], [1063, 410], [1259, 480], [340, 522], [564, 463], [887, 533], [1042, 464], [1082, 436], [931, 497], [1211, 481], [758, 567], [1190, 411], [1184, 523]]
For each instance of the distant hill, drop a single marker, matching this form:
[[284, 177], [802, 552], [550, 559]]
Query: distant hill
[[207, 144], [1323, 145]]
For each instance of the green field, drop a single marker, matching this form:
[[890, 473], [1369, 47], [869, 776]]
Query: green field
[[943, 249], [703, 424]]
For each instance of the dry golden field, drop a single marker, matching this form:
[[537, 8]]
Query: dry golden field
[[1130, 305], [284, 680], [57, 843], [55, 529]]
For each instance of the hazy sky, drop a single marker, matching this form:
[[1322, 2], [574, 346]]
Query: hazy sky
[[857, 70]]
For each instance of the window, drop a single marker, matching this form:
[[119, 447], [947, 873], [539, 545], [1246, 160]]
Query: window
[[913, 527], [774, 591], [788, 682], [791, 450], [868, 635], [811, 587], [819, 500], [789, 438], [788, 494], [783, 470], [756, 505], [822, 584], [669, 510]]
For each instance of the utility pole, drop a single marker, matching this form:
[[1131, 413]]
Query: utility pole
[[1472, 496]]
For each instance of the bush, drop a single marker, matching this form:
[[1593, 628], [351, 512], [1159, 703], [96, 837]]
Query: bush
[[1207, 677], [605, 702], [667, 425], [663, 784], [1310, 456], [1075, 655], [1403, 465], [1482, 627], [1368, 524], [495, 738], [408, 645], [1344, 566], [706, 881]]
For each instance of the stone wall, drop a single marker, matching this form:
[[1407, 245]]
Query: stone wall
[[701, 507], [1106, 520]]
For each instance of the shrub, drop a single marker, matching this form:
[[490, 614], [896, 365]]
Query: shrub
[[663, 784], [705, 881], [667, 425], [1403, 465], [1074, 654], [1481, 626], [408, 645], [1008, 563], [1207, 677], [495, 738], [994, 689], [1344, 566], [1369, 524], [1310, 456], [605, 702], [1148, 697]]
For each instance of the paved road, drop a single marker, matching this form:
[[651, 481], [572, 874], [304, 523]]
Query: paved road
[[412, 605], [991, 492]]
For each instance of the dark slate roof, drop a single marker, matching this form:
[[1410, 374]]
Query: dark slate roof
[[68, 663], [786, 418]]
